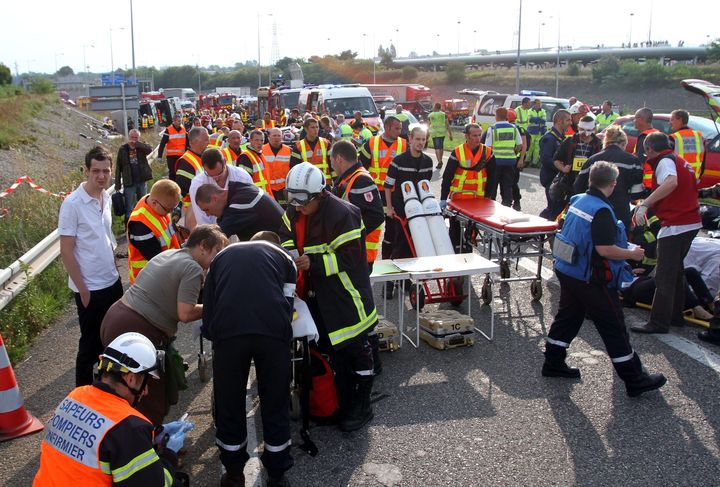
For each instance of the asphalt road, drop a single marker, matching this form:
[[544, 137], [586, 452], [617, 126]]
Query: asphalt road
[[480, 415]]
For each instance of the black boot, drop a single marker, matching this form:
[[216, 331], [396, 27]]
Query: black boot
[[644, 383], [277, 481], [375, 346], [232, 479], [712, 335], [559, 369], [360, 411], [389, 290]]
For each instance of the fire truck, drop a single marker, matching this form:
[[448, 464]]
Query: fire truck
[[276, 100], [216, 101], [417, 99]]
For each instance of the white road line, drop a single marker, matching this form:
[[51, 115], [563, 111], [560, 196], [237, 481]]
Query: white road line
[[253, 466], [701, 354], [529, 175]]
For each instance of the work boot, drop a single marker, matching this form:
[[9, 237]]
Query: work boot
[[644, 383], [360, 411], [559, 369], [277, 481], [649, 328], [516, 206], [235, 479]]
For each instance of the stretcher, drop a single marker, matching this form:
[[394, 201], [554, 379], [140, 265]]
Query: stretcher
[[503, 234]]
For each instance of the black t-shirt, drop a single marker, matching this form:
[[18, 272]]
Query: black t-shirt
[[603, 230]]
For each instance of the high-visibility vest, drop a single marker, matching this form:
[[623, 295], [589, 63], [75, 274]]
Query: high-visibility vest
[[318, 156], [176, 141], [381, 159], [216, 140], [196, 163], [503, 143], [268, 125], [647, 168], [604, 121], [523, 117], [144, 122], [162, 229], [372, 239], [467, 184], [260, 171], [230, 155], [438, 124], [690, 146], [67, 458], [279, 165], [283, 118], [346, 131]]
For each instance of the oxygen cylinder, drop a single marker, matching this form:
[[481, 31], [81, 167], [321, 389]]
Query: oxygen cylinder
[[436, 223], [416, 221]]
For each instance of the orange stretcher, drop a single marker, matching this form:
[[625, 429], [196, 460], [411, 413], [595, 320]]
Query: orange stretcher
[[503, 234]]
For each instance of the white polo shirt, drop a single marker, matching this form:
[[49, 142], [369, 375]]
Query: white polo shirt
[[235, 174], [83, 217]]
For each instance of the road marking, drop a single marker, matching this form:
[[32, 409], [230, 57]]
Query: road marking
[[253, 466], [529, 175], [696, 352]]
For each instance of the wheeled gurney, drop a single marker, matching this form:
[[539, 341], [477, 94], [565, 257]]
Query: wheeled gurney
[[503, 234]]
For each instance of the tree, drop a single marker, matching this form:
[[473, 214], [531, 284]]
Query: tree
[[5, 75], [65, 71], [392, 51], [41, 85], [347, 55], [455, 72], [713, 51]]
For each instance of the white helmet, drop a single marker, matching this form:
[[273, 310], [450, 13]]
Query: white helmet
[[131, 352], [303, 183]]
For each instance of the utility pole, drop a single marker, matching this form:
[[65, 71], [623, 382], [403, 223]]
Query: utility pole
[[132, 42], [517, 59]]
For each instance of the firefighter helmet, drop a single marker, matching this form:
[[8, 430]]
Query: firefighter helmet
[[304, 182]]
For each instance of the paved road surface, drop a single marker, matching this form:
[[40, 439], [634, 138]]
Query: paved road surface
[[466, 417]]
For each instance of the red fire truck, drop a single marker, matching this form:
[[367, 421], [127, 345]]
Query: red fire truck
[[414, 98]]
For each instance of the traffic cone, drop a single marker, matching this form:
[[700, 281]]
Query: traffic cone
[[15, 421]]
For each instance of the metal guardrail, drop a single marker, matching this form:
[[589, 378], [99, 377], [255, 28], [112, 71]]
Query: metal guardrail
[[15, 277]]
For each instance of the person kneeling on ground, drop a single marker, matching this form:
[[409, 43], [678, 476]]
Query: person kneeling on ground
[[590, 254]]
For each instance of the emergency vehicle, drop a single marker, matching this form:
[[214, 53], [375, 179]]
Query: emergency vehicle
[[487, 102], [416, 99], [341, 100], [276, 100]]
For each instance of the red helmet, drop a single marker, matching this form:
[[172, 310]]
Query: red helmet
[[512, 116], [205, 119]]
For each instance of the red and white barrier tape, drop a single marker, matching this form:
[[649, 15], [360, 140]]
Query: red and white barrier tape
[[29, 182]]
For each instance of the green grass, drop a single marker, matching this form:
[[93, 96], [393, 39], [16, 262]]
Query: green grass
[[15, 111]]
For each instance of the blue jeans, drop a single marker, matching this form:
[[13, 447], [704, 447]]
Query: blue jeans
[[132, 196]]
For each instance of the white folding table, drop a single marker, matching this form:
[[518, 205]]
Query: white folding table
[[384, 270]]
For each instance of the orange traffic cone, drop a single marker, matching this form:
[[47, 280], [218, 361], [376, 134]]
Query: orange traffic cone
[[15, 421]]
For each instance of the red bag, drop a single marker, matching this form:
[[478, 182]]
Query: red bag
[[323, 396]]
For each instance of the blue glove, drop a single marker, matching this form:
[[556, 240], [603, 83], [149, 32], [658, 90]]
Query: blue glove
[[169, 429], [443, 204], [176, 441]]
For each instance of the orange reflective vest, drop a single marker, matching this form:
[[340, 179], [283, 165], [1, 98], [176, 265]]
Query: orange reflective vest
[[268, 125], [260, 171], [647, 169], [318, 156], [467, 183], [279, 165], [372, 239], [70, 451], [381, 158], [196, 162], [230, 155], [175, 146], [690, 146], [216, 140], [162, 229]]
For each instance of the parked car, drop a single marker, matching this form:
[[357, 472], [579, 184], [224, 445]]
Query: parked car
[[706, 127], [488, 101]]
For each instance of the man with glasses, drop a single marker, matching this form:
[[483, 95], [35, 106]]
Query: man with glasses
[[217, 172], [326, 235], [150, 230]]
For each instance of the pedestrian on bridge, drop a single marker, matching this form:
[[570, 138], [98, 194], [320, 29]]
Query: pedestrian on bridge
[[590, 254]]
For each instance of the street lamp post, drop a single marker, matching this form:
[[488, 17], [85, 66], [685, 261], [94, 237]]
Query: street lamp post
[[86, 68], [132, 43], [557, 62], [540, 24], [631, 23], [474, 40], [517, 58], [397, 42], [363, 44], [437, 43], [112, 64], [458, 46]]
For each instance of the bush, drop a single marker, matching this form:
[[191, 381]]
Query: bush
[[41, 86], [409, 73], [5, 75], [455, 72], [573, 69], [606, 66]]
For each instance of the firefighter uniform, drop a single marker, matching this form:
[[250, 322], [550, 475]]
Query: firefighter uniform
[[97, 438], [278, 159], [188, 165], [357, 186], [255, 164], [465, 177], [337, 288], [639, 152], [174, 144], [249, 210], [689, 145], [149, 233], [316, 152], [265, 303]]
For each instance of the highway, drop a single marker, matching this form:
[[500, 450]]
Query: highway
[[476, 416]]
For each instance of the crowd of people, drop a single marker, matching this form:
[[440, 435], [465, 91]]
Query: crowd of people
[[268, 223]]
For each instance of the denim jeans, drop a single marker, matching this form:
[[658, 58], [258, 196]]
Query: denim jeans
[[132, 196]]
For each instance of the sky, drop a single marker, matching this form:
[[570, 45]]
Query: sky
[[49, 34]]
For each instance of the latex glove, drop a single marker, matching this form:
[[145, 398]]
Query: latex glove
[[443, 204], [176, 441], [639, 218], [169, 429], [195, 329]]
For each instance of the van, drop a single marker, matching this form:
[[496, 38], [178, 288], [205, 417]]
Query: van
[[341, 100], [487, 102]]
